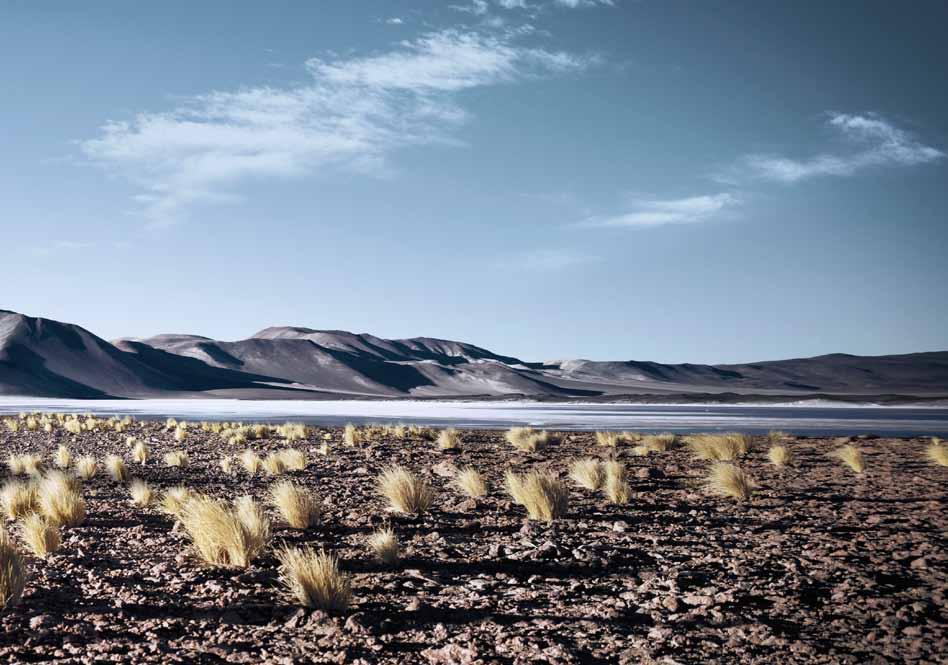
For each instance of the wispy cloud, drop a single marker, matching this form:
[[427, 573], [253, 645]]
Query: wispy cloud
[[351, 115], [545, 260], [872, 141], [60, 247], [573, 4], [394, 21], [659, 212]]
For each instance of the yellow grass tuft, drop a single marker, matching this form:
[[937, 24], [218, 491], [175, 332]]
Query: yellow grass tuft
[[18, 498], [301, 509], [384, 544], [141, 492], [616, 484], [719, 447], [227, 464], [85, 467], [729, 480], [775, 436], [115, 466], [140, 452], [220, 537], [15, 464], [611, 439], [351, 435], [937, 452], [449, 439], [254, 520], [527, 439], [851, 456], [42, 538], [63, 457], [659, 443], [471, 482], [174, 498], [12, 572], [273, 464], [314, 579], [544, 496], [176, 458], [180, 434], [293, 459], [587, 472], [250, 461], [779, 455], [59, 499], [406, 492]]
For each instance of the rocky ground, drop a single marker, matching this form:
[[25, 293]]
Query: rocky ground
[[820, 566]]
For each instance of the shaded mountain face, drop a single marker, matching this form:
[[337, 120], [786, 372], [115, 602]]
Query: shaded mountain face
[[47, 358]]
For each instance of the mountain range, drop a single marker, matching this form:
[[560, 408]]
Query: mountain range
[[42, 357]]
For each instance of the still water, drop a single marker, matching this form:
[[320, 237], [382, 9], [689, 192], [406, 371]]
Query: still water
[[812, 419]]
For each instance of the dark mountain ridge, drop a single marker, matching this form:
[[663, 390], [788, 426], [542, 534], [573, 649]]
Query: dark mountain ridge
[[41, 357]]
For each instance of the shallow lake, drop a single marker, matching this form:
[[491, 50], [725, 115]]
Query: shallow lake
[[830, 419]]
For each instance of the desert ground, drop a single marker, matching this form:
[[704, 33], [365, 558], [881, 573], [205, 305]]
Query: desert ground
[[818, 564]]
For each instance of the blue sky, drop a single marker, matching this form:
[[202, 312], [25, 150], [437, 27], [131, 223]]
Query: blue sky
[[673, 181]]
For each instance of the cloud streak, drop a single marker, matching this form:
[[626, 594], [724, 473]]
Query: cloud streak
[[660, 212], [873, 142], [351, 115]]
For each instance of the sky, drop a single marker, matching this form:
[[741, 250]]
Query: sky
[[606, 179]]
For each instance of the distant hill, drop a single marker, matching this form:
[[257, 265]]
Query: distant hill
[[41, 357]]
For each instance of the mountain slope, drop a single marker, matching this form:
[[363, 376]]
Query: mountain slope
[[48, 358]]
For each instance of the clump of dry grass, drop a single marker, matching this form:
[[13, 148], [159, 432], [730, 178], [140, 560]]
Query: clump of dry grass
[[528, 439], [26, 464], [729, 480], [616, 485], [141, 492], [351, 435], [63, 457], [116, 468], [273, 464], [587, 472], [471, 482], [85, 467], [851, 456], [384, 544], [254, 519], [219, 535], [659, 443], [292, 431], [775, 436], [140, 452], [174, 498], [406, 492], [937, 452], [15, 464], [719, 447], [779, 455], [314, 579], [180, 434], [18, 498], [12, 572], [449, 439], [176, 458], [544, 496], [227, 464], [41, 537], [59, 499], [293, 459], [301, 509], [610, 439], [250, 461]]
